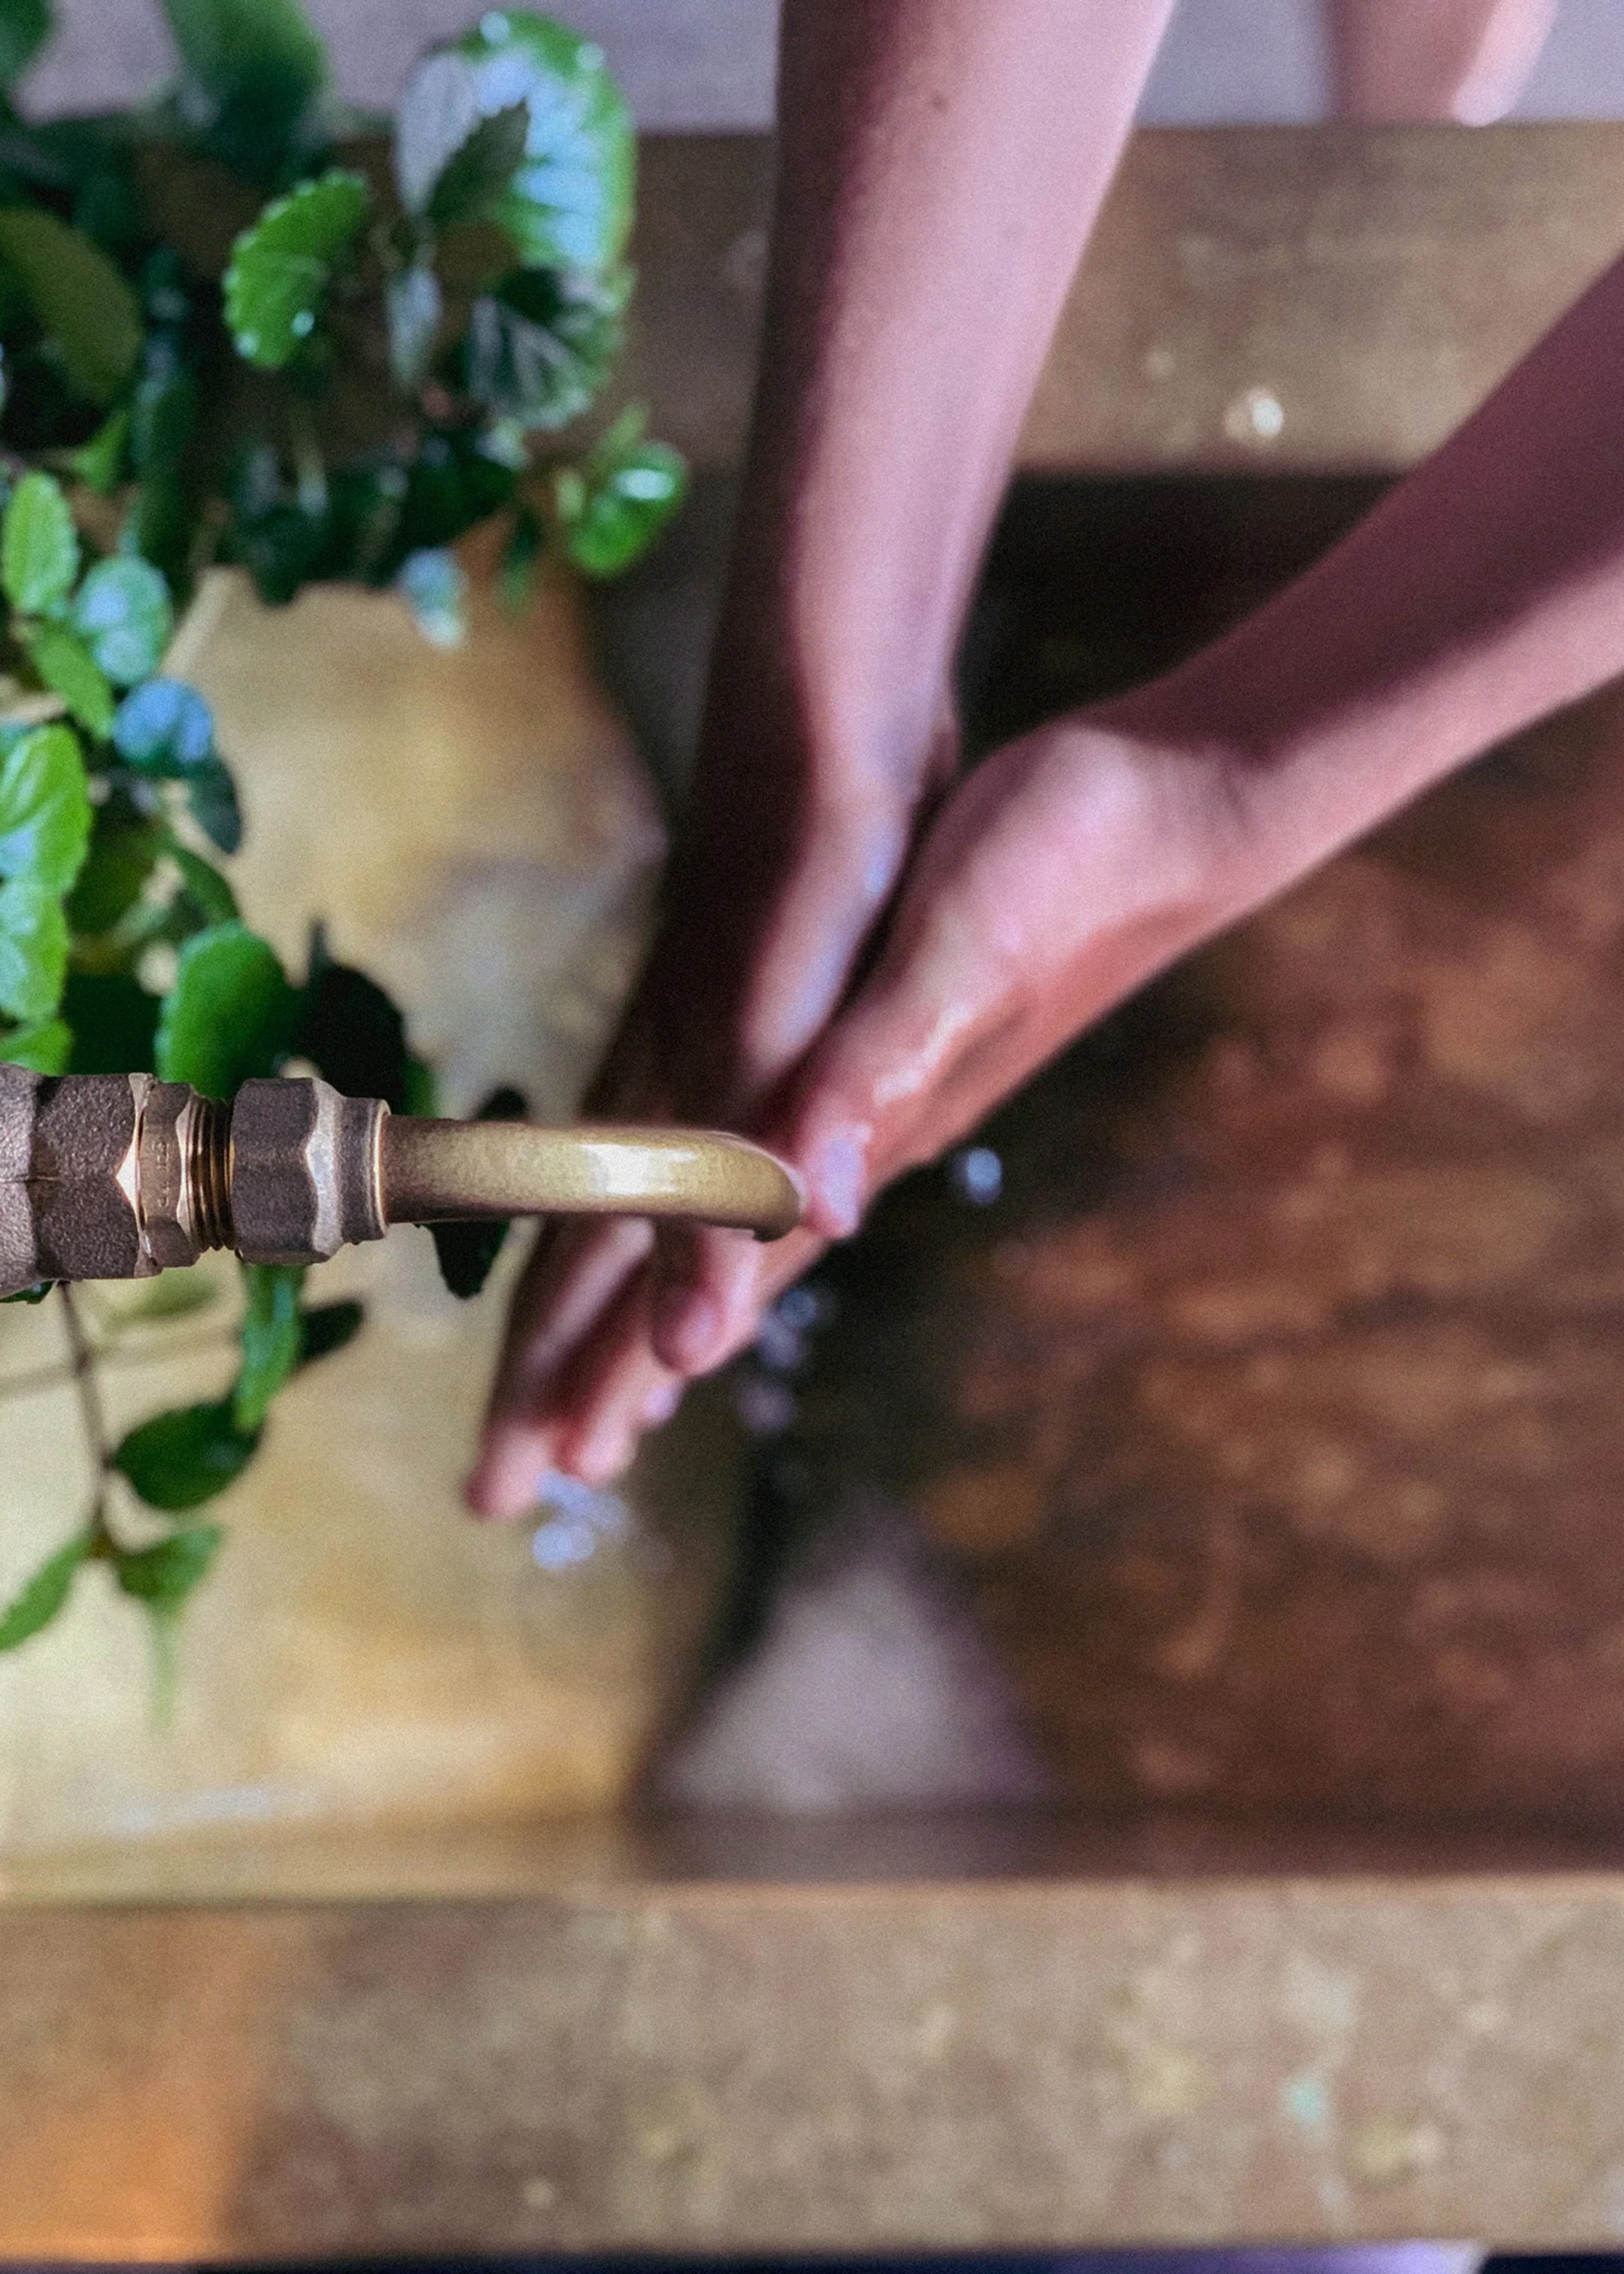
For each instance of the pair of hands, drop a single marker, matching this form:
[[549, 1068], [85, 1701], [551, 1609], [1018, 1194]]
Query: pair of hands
[[852, 970]]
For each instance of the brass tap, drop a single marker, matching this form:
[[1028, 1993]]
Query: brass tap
[[120, 1176]]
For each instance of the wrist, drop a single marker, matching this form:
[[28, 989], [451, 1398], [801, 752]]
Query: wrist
[[1191, 804], [1273, 779], [803, 740]]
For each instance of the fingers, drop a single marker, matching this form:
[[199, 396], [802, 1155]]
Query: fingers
[[704, 1298], [612, 1389], [881, 1059], [1465, 60], [1064, 873], [577, 1273], [617, 1387], [886, 1088], [596, 1343]]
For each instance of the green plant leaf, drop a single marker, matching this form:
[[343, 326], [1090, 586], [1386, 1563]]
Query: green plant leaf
[[163, 409], [164, 1575], [39, 545], [178, 1461], [69, 669], [629, 491], [99, 462], [540, 347], [272, 1337], [177, 1293], [282, 547], [121, 858], [568, 204], [45, 811], [352, 1034], [211, 793], [438, 113], [421, 1089], [44, 1595], [121, 612], [329, 1327], [33, 951], [467, 1252], [522, 559], [93, 156], [413, 307], [164, 727], [230, 1014], [80, 299], [24, 26], [281, 267], [45, 1048], [480, 169], [205, 887], [160, 525], [114, 1022], [452, 485], [251, 72]]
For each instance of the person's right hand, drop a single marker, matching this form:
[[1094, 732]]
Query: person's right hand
[[791, 852], [1064, 870]]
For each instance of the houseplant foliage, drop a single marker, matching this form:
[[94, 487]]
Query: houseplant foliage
[[239, 324]]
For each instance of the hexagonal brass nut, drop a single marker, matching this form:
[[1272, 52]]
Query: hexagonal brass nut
[[19, 1252], [67, 1177], [305, 1171]]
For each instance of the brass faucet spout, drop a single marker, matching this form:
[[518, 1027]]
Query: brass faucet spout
[[441, 1171]]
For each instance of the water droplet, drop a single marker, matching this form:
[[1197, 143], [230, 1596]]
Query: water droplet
[[649, 482], [562, 1542], [806, 1307], [978, 1175], [779, 1346], [765, 1407], [1256, 415]]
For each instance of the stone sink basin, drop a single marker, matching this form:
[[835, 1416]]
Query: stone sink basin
[[1250, 1437]]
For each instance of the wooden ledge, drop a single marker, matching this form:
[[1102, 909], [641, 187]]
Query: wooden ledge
[[1308, 299], [1151, 2037]]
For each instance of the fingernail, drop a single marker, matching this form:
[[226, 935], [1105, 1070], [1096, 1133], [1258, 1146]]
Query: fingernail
[[837, 1186], [501, 1486], [686, 1328], [490, 1494]]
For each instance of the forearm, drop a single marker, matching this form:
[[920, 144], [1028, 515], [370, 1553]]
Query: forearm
[[941, 163], [1486, 589], [1424, 59]]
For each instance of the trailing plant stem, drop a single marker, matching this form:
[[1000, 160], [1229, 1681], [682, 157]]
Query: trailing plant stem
[[82, 1368]]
